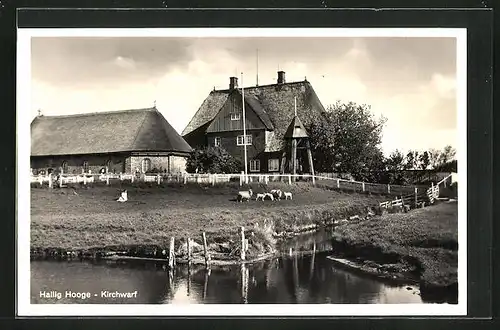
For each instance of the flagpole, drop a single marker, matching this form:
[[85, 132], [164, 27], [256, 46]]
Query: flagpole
[[244, 130]]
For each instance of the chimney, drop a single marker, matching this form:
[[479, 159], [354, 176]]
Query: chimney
[[233, 83], [281, 77]]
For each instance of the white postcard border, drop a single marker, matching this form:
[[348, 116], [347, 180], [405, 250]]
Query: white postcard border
[[24, 306]]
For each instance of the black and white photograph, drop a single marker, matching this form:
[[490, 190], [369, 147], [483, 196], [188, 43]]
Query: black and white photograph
[[254, 171]]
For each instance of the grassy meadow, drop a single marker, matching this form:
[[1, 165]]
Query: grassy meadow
[[81, 218]]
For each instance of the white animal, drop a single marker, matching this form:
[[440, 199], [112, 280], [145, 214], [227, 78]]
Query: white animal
[[261, 196], [244, 195], [123, 197], [287, 195], [269, 195], [277, 193]]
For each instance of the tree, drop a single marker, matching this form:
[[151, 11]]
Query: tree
[[212, 160], [424, 160], [347, 140], [395, 164]]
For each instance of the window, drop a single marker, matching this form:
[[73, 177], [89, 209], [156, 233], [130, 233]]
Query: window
[[217, 141], [239, 140], [255, 165], [235, 116], [146, 165], [85, 166], [64, 167], [273, 165]]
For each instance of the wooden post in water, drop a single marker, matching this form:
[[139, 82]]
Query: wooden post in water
[[205, 250], [242, 243], [171, 255], [205, 284], [188, 242], [416, 197]]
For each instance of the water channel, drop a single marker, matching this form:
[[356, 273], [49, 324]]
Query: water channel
[[295, 278]]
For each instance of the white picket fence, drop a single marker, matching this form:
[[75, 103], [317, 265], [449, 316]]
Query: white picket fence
[[213, 179]]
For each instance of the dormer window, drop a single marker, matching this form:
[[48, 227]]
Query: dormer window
[[235, 116]]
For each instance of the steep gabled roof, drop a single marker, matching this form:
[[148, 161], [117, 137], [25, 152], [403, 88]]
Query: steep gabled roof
[[207, 111], [296, 130], [276, 101], [105, 132], [255, 105]]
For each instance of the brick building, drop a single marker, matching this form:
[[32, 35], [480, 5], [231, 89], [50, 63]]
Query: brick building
[[118, 141], [269, 110]]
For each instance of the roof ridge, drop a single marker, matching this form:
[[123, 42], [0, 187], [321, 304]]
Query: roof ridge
[[268, 85], [97, 113]]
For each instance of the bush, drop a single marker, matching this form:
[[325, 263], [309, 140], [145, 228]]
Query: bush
[[212, 160]]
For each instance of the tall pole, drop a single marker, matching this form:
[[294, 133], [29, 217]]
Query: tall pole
[[244, 130], [257, 75]]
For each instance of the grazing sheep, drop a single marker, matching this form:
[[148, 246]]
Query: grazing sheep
[[261, 196], [287, 194], [271, 197], [123, 197], [244, 195], [277, 194]]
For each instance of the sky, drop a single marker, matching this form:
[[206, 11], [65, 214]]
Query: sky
[[411, 81]]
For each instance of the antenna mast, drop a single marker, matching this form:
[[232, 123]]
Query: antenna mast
[[257, 84]]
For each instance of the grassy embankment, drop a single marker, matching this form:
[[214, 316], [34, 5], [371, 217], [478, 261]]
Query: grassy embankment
[[422, 242], [92, 218]]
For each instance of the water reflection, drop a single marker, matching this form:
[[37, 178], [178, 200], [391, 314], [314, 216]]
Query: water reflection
[[288, 279]]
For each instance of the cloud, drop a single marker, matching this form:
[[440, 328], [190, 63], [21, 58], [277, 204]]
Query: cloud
[[124, 63], [411, 81]]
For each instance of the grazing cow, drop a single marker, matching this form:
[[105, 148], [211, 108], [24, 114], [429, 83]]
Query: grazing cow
[[287, 195], [123, 197], [247, 194]]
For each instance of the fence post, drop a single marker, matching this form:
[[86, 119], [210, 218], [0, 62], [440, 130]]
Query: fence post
[[338, 183], [363, 184], [158, 178], [416, 197], [50, 180], [241, 178], [242, 243], [40, 179], [121, 176], [388, 188], [289, 179], [267, 179], [84, 179], [107, 179], [313, 179], [171, 255], [205, 250], [184, 176]]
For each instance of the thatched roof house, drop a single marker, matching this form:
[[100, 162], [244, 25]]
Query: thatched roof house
[[119, 140], [269, 112]]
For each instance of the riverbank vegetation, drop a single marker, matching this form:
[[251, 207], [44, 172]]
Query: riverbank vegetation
[[422, 242]]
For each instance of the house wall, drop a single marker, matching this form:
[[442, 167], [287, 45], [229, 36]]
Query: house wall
[[75, 163], [223, 123], [169, 164], [121, 163]]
